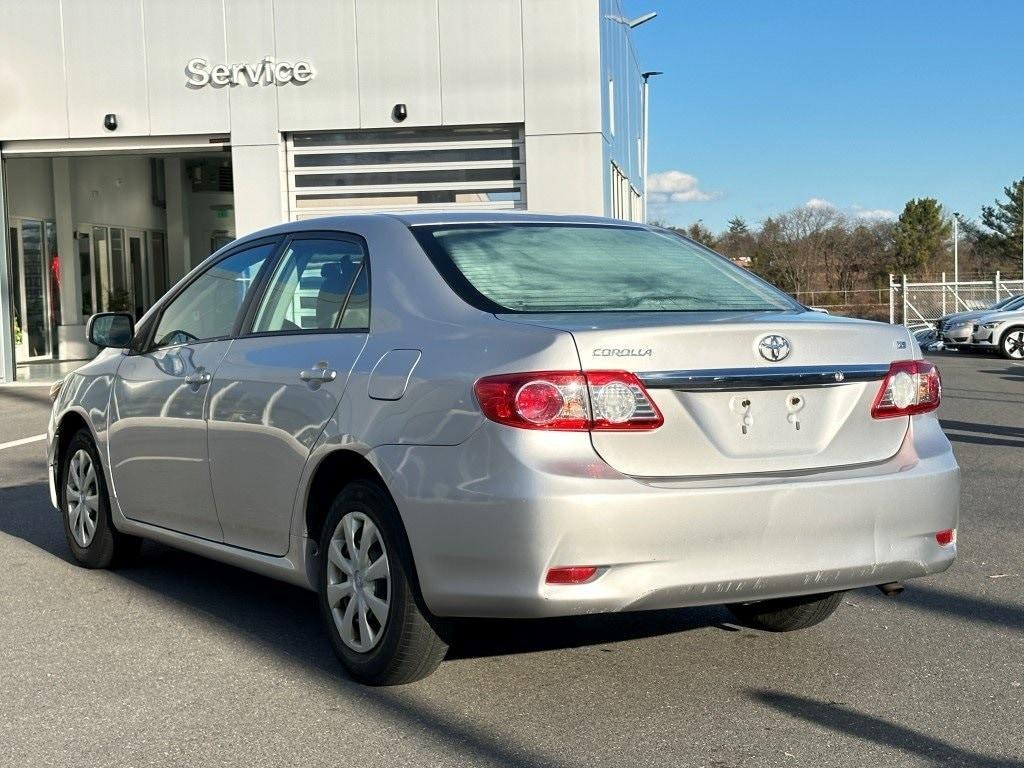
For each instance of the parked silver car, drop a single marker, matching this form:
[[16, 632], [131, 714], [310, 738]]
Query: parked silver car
[[429, 416], [957, 329], [1002, 331]]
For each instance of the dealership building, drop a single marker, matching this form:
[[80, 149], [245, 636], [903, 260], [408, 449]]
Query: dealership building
[[138, 136]]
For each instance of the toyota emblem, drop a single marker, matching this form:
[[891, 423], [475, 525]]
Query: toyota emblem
[[774, 347]]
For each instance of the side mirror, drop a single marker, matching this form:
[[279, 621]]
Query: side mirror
[[111, 329]]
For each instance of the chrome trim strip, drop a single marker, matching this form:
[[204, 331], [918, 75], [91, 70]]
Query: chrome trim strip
[[745, 379]]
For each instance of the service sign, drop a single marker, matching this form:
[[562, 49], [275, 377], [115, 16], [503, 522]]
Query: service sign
[[267, 71]]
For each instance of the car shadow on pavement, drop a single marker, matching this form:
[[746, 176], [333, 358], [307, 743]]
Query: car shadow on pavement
[[288, 615], [985, 434], [842, 719], [475, 638], [977, 609], [1014, 373]]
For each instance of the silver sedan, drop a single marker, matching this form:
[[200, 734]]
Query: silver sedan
[[431, 416], [957, 329], [1002, 331]]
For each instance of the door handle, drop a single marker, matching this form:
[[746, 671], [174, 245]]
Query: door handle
[[320, 374], [198, 378]]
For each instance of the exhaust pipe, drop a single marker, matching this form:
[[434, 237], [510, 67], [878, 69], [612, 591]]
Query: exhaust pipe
[[892, 588]]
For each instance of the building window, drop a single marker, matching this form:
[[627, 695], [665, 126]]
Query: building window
[[456, 168], [611, 106]]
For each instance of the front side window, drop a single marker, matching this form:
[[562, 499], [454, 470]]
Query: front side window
[[319, 284], [208, 307], [586, 268]]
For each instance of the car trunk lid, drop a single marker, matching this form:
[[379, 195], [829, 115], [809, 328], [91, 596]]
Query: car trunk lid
[[743, 393]]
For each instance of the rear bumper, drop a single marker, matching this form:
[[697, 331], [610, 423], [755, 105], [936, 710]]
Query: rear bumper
[[488, 518]]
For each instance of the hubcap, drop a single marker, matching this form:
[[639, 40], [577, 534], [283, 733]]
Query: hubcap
[[1014, 344], [81, 496], [358, 582]]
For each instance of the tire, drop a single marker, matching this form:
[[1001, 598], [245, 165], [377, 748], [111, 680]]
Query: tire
[[404, 646], [1011, 346], [92, 538], [789, 613]]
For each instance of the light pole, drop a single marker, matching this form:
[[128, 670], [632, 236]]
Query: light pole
[[956, 248], [646, 99]]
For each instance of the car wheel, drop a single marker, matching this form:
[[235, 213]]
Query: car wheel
[[1012, 344], [789, 613], [368, 592], [85, 508]]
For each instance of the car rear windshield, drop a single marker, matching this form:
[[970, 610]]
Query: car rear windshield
[[590, 268]]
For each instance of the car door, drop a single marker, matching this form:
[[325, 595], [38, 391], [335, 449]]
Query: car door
[[282, 380], [159, 461]]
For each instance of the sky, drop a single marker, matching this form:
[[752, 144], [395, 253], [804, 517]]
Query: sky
[[772, 104]]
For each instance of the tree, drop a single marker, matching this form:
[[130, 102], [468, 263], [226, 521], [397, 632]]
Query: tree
[[868, 254], [920, 236], [1001, 244], [802, 248], [737, 242], [697, 231], [737, 226]]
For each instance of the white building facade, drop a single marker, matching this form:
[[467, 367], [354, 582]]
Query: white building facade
[[138, 136]]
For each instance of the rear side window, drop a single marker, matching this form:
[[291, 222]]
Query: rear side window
[[581, 268], [319, 284], [208, 307]]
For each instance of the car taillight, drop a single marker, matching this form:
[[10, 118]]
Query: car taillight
[[910, 386], [568, 401]]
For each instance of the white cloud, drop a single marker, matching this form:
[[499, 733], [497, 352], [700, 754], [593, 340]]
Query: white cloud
[[817, 203], [873, 214], [676, 187]]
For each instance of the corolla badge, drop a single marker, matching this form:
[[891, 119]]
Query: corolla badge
[[774, 347]]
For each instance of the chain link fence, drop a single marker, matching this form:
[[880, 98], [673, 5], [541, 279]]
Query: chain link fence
[[919, 305], [914, 304]]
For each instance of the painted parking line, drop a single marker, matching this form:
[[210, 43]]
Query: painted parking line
[[23, 441]]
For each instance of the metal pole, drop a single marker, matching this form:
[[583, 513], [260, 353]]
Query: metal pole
[[6, 327], [904, 291], [645, 98], [892, 300], [943, 294], [956, 250], [956, 262]]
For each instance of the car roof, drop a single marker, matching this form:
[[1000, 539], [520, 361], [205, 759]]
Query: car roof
[[434, 218], [418, 218]]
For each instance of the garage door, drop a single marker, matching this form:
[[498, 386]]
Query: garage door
[[452, 168]]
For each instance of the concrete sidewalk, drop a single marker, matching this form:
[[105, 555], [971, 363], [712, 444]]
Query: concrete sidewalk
[[43, 373]]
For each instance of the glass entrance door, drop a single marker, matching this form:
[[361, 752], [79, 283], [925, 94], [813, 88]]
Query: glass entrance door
[[123, 270], [34, 306]]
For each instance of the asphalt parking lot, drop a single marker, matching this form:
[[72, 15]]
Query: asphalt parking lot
[[181, 661]]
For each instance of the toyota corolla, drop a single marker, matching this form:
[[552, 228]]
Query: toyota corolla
[[431, 416]]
